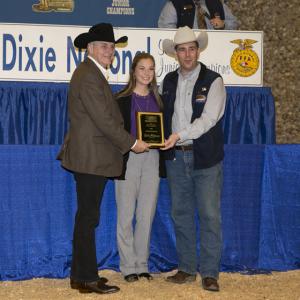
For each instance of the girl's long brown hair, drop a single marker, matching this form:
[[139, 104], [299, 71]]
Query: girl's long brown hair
[[130, 86]]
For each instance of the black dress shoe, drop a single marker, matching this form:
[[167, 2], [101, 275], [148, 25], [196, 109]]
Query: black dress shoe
[[210, 284], [131, 277], [77, 286], [146, 275], [74, 283], [181, 277], [94, 287]]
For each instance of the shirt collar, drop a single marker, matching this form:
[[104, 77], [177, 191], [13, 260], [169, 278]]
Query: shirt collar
[[191, 74], [101, 68]]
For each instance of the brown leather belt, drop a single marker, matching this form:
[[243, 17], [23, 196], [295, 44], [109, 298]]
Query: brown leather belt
[[184, 147]]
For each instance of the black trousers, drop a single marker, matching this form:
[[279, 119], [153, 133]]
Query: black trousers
[[89, 190]]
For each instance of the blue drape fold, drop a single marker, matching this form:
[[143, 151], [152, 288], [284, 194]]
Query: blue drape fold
[[33, 113], [36, 113], [260, 214], [280, 212], [249, 116]]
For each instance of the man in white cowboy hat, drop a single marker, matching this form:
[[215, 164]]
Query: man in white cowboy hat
[[194, 102], [93, 149]]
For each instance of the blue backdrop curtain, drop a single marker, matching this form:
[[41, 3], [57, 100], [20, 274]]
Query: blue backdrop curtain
[[260, 211], [249, 116], [36, 113], [260, 200]]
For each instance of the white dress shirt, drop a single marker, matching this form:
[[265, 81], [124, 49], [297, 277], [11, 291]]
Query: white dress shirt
[[213, 109]]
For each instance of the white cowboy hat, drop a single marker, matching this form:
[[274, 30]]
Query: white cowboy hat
[[185, 35]]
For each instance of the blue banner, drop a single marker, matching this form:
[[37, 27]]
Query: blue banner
[[122, 13]]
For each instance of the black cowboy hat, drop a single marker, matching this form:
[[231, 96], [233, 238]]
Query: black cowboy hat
[[100, 32]]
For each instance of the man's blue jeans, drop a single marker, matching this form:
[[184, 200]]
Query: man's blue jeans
[[196, 189]]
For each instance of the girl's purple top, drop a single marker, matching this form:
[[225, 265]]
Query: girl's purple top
[[143, 104]]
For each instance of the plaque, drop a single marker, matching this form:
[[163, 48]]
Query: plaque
[[150, 128]]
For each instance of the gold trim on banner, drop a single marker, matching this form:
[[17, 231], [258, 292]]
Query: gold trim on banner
[[54, 5]]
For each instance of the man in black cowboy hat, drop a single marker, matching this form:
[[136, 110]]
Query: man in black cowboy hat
[[93, 149]]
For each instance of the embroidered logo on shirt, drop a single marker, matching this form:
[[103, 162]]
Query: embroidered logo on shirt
[[189, 6], [200, 98]]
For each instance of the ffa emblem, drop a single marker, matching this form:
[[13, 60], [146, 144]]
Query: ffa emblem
[[54, 5], [244, 61]]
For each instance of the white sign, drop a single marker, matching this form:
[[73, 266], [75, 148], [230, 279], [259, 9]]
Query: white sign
[[30, 52]]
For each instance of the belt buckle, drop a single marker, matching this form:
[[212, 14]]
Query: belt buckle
[[184, 147]]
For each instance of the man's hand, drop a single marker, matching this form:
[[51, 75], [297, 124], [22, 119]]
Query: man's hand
[[140, 147], [171, 141], [217, 23]]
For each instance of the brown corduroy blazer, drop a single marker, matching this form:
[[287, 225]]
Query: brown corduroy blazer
[[96, 140]]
